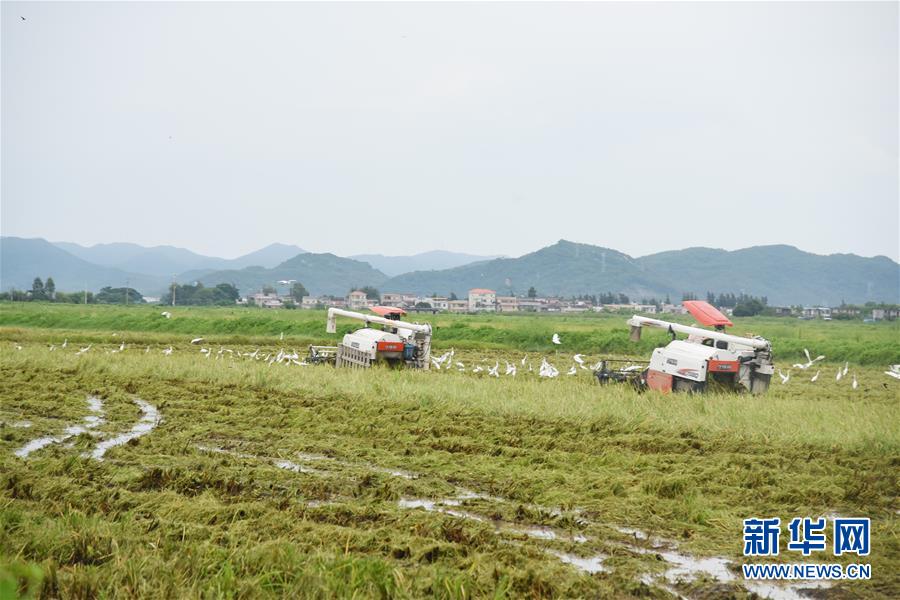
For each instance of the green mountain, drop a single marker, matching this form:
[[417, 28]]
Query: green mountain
[[270, 256], [425, 261], [563, 269], [21, 260], [169, 261], [319, 273], [784, 274]]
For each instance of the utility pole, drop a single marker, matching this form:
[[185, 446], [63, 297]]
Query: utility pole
[[173, 290]]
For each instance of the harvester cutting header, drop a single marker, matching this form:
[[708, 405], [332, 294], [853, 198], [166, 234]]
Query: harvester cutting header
[[688, 365]]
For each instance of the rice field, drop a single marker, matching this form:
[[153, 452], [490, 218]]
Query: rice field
[[145, 467]]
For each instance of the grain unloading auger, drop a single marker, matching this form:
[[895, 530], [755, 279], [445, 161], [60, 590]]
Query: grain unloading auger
[[706, 355], [397, 343]]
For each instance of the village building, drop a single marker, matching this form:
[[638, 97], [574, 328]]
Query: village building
[[357, 299], [392, 299], [507, 304], [458, 306], [482, 300]]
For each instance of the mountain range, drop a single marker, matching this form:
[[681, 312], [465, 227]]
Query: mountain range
[[784, 274], [426, 261], [169, 261]]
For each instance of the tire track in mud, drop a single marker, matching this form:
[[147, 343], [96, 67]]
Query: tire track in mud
[[681, 568], [149, 420], [88, 422]]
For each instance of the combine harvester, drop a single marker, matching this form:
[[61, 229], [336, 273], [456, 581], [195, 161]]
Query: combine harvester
[[689, 365], [396, 343]]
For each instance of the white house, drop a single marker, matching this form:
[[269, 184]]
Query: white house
[[481, 299], [356, 299]]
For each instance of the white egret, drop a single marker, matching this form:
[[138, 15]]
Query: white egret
[[547, 370], [784, 378], [556, 339], [814, 377], [809, 361]]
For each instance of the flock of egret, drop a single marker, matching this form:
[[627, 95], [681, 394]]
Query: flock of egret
[[446, 361]]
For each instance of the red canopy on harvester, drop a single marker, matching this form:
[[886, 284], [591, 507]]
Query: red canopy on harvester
[[383, 311], [707, 314]]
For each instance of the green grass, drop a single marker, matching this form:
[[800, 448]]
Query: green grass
[[853, 341], [160, 517]]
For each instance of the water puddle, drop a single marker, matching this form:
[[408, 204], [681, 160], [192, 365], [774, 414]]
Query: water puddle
[[292, 466], [307, 457], [148, 421], [684, 568], [788, 591], [591, 564], [449, 506], [280, 463], [95, 405]]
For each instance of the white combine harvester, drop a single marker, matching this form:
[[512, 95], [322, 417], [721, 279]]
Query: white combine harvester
[[688, 365], [396, 343]]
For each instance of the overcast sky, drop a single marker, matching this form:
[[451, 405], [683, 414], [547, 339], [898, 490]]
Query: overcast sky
[[484, 128]]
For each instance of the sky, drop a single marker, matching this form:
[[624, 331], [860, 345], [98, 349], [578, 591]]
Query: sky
[[483, 128]]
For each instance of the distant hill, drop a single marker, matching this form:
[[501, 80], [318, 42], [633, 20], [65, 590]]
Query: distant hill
[[784, 274], [565, 268], [169, 261], [319, 273], [425, 261], [270, 256], [21, 260]]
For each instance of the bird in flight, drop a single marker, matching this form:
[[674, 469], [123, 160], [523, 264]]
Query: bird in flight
[[809, 360], [21, 17]]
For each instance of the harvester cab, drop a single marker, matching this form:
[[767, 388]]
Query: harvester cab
[[395, 342], [706, 355]]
